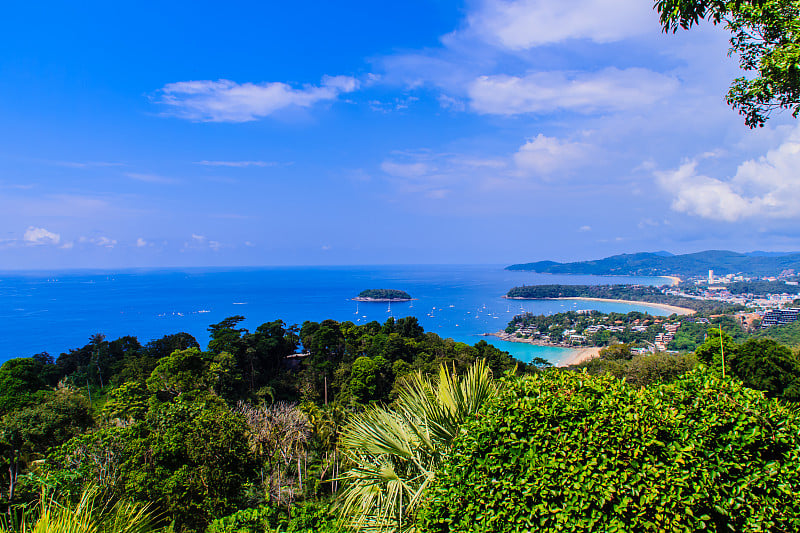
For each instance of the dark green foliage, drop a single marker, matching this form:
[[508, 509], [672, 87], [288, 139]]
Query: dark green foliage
[[190, 458], [95, 456], [384, 294], [640, 370], [183, 371], [370, 379], [305, 518], [765, 34], [565, 451], [139, 366], [19, 381], [637, 293], [787, 334], [167, 433], [58, 417], [718, 344], [765, 365], [656, 264], [762, 287]]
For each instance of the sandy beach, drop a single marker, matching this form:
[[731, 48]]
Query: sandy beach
[[577, 354], [675, 279], [581, 354], [675, 309]]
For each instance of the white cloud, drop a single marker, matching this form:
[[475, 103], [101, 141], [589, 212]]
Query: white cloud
[[611, 89], [198, 238], [545, 155], [39, 236], [104, 242], [585, 228], [765, 187], [525, 24], [237, 164], [141, 243], [67, 245], [228, 101]]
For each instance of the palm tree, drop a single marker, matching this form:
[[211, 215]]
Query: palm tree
[[87, 516], [396, 451]]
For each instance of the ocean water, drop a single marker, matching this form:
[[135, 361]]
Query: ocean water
[[56, 311]]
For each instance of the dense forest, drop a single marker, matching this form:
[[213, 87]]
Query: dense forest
[[637, 293], [355, 431], [248, 426]]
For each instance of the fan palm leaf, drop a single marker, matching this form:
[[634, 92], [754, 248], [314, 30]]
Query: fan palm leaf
[[395, 451]]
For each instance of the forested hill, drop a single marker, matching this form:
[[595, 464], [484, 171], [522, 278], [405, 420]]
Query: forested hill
[[663, 264], [635, 293]]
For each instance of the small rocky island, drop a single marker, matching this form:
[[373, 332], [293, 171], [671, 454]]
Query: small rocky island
[[383, 295]]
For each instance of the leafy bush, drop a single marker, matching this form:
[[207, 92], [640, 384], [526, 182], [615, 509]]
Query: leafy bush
[[642, 370], [566, 451], [306, 518]]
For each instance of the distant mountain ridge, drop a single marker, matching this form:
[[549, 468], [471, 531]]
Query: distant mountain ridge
[[665, 264]]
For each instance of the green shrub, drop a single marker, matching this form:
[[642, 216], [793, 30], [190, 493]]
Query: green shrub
[[303, 518], [566, 451], [255, 520]]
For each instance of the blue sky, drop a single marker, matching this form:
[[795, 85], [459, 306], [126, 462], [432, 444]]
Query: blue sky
[[493, 131]]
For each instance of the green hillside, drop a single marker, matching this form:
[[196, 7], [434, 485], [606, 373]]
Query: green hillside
[[662, 264]]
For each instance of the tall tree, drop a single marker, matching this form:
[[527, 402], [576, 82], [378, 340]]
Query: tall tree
[[765, 35]]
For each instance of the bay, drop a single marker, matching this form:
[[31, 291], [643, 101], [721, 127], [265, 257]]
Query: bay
[[56, 311]]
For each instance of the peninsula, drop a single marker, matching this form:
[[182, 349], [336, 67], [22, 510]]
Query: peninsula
[[641, 294], [383, 295]]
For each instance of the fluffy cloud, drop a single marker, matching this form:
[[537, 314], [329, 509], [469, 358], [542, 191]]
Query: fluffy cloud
[[525, 24], [141, 243], [102, 241], [39, 236], [228, 101], [765, 187], [200, 242], [545, 155], [611, 89]]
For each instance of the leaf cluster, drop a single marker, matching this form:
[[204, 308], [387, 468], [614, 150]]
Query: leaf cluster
[[565, 451]]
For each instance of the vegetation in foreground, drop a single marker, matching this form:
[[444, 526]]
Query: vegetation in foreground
[[247, 437], [244, 429], [566, 451]]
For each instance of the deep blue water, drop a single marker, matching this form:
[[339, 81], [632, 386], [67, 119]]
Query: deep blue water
[[54, 312]]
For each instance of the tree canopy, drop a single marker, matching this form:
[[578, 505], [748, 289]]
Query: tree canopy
[[765, 35]]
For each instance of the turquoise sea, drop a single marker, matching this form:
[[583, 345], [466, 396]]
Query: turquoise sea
[[56, 311]]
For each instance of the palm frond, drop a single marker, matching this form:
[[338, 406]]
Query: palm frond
[[396, 451]]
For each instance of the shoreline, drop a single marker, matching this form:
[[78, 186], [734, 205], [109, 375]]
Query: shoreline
[[675, 280], [578, 355], [674, 308]]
